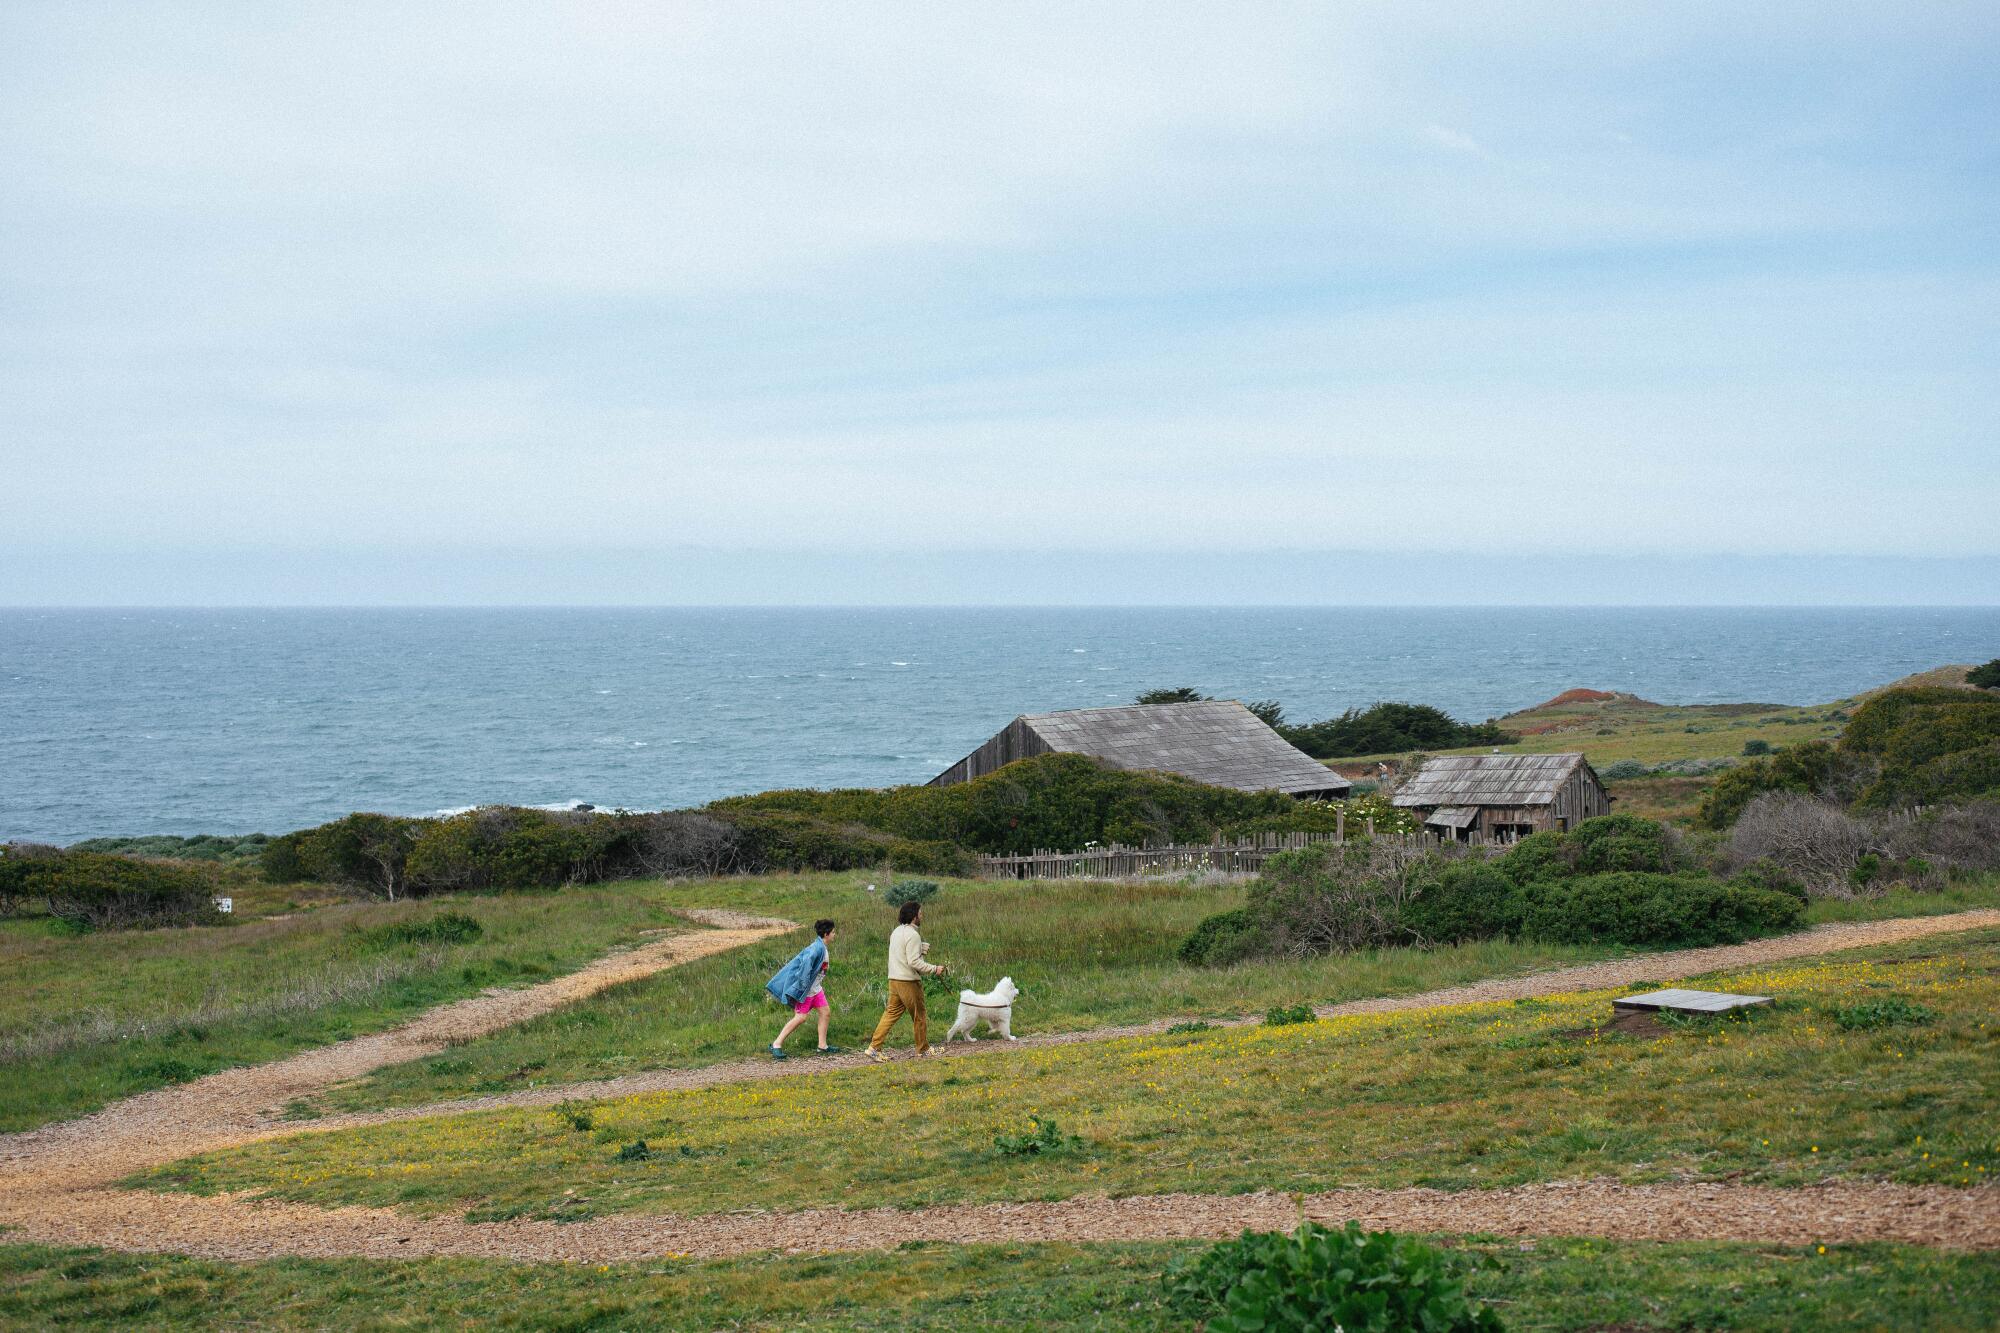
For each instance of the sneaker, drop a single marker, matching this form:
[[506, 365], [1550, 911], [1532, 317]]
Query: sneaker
[[831, 1050], [777, 1054], [876, 1056]]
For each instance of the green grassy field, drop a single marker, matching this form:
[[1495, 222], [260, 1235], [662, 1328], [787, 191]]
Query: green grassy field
[[1541, 1285], [1085, 955], [86, 1019], [1478, 1095]]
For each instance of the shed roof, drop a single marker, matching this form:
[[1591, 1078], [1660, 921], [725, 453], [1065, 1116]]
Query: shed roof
[[1219, 742], [1488, 779]]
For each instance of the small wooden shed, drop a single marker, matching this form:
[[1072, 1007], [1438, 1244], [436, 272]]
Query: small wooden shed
[[1502, 796], [1216, 741]]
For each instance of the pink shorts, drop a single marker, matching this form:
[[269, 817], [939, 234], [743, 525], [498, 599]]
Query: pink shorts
[[811, 1002]]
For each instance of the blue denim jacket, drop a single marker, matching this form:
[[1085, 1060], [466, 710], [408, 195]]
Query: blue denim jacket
[[795, 979]]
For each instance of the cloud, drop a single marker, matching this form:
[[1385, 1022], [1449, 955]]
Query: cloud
[[610, 276]]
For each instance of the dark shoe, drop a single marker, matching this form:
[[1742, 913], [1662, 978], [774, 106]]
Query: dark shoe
[[777, 1054], [831, 1050]]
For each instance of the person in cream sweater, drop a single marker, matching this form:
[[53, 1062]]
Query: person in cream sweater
[[907, 969]]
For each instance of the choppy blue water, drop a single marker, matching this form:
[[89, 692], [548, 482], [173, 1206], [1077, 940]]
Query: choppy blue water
[[179, 721]]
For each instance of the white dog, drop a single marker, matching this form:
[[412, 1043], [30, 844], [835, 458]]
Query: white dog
[[995, 1009]]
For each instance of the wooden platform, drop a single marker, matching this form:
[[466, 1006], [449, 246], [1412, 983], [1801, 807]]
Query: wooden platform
[[1690, 1001]]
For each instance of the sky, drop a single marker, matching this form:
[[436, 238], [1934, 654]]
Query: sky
[[882, 302]]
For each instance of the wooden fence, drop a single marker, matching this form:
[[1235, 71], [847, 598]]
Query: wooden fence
[[1120, 862]]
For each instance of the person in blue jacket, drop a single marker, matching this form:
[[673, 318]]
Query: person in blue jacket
[[801, 984]]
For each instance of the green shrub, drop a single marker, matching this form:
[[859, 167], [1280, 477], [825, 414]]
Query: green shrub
[[1624, 771], [1764, 873], [1286, 1015], [201, 847], [505, 847], [930, 858], [1221, 939], [1636, 908], [1330, 898], [1985, 677], [1044, 1139], [1060, 801], [365, 851], [910, 891], [99, 891], [1812, 768], [1890, 1011], [786, 840], [442, 929], [1620, 842], [1391, 728], [281, 862], [1463, 900], [1317, 1278], [1867, 869], [1755, 747], [1926, 745], [1539, 856], [1192, 1025], [634, 1152]]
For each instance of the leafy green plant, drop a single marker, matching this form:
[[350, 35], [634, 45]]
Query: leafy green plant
[[1985, 677], [910, 891], [1462, 900], [1754, 747], [1221, 939], [574, 1114], [1890, 1011], [636, 1151], [1318, 1278], [1193, 1025], [1764, 873], [1045, 1138], [1284, 1015], [1644, 909], [98, 891], [1867, 869]]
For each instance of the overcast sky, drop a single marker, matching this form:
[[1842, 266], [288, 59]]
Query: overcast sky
[[336, 287]]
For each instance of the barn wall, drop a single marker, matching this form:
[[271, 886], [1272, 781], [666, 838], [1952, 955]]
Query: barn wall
[[1016, 741], [1580, 797]]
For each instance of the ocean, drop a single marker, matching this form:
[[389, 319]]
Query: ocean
[[235, 721]]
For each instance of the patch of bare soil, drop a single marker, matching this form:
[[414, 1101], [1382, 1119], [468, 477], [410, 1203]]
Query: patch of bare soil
[[55, 1182]]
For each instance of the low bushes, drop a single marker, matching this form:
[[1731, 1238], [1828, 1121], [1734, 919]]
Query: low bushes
[[1222, 939], [919, 891], [1050, 801], [1318, 1278], [1640, 908], [1391, 728], [96, 890], [1616, 879], [1900, 748], [1463, 900]]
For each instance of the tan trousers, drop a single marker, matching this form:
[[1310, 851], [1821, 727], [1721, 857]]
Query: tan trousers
[[904, 996]]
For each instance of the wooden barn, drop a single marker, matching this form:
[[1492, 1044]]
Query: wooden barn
[[1502, 796], [1219, 742]]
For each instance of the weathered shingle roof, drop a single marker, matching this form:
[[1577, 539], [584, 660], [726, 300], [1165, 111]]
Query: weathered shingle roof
[[1488, 779], [1219, 742]]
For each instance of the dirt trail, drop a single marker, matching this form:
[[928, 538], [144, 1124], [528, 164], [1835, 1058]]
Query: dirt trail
[[237, 1228], [54, 1181]]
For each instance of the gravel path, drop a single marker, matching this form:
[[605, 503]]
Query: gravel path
[[54, 1182]]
